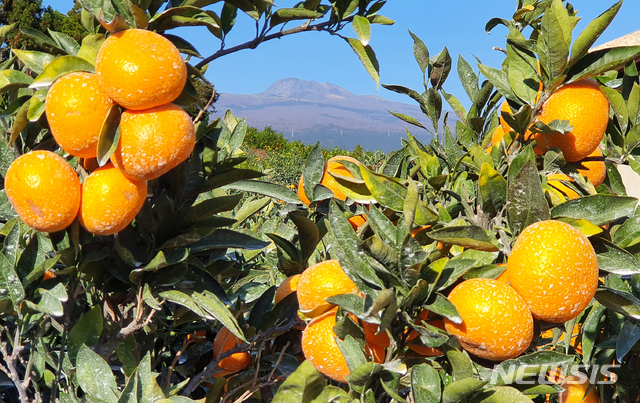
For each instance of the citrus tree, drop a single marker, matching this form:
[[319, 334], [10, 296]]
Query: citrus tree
[[495, 264]]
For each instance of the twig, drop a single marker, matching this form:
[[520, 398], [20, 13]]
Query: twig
[[202, 111], [208, 370], [185, 344], [258, 40], [10, 361]]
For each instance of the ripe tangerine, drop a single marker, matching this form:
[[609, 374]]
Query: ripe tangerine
[[496, 322], [44, 190], [110, 200], [76, 108], [140, 69], [555, 269], [153, 141]]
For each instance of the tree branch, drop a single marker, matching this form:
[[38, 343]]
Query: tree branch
[[323, 26], [208, 370], [10, 360]]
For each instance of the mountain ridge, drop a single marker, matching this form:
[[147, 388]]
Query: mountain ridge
[[310, 111]]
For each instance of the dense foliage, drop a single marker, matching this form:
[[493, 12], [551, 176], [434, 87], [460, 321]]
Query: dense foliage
[[134, 317]]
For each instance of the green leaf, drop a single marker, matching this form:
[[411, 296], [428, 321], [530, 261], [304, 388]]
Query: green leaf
[[501, 394], [493, 189], [615, 260], [347, 249], [619, 106], [628, 337], [20, 122], [180, 298], [408, 119], [600, 61], [10, 285], [109, 135], [184, 46], [36, 105], [591, 330], [65, 42], [86, 331], [223, 239], [362, 28], [500, 80], [211, 304], [468, 236], [442, 306], [526, 203], [619, 301], [59, 67], [440, 69], [95, 376], [313, 170], [11, 79], [600, 209], [227, 177], [420, 52], [507, 372], [273, 190], [425, 384], [302, 386], [592, 32], [628, 234], [554, 39], [35, 61], [308, 234], [289, 14], [391, 194], [228, 17], [41, 39], [90, 46], [457, 391], [6, 30], [522, 74], [367, 57]]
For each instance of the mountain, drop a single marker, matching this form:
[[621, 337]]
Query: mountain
[[310, 111]]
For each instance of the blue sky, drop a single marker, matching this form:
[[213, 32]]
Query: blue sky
[[457, 24]]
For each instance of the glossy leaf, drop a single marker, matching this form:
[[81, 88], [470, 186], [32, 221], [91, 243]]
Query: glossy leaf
[[10, 285], [65, 42], [95, 376], [362, 28], [283, 15], [501, 394], [109, 135], [506, 372], [600, 61], [302, 386], [367, 57], [35, 61], [86, 331], [273, 190], [599, 209], [457, 391], [10, 79], [20, 122], [615, 260], [592, 32], [619, 301], [591, 330], [212, 305], [90, 46], [59, 67], [425, 384], [470, 236], [420, 52], [526, 203]]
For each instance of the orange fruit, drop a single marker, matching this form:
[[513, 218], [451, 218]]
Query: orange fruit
[[153, 141], [555, 269], [373, 337], [357, 221], [418, 230], [496, 322], [196, 336], [321, 281], [586, 108], [376, 352], [334, 165], [554, 180], [503, 276], [496, 137], [320, 347], [575, 388], [44, 190], [301, 195], [225, 341], [110, 200], [76, 108], [48, 275], [595, 171], [288, 286], [140, 69], [417, 346]]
